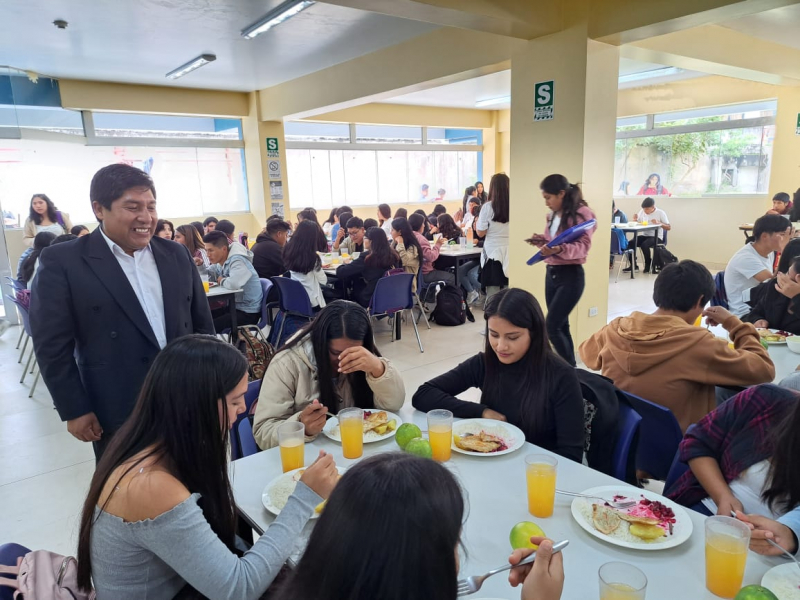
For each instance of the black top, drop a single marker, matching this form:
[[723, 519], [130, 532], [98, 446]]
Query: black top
[[268, 257], [363, 278], [774, 307], [564, 434]]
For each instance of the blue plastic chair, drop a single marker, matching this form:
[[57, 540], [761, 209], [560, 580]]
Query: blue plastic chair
[[660, 437], [246, 438], [250, 396], [618, 249], [266, 286], [16, 284], [629, 423], [26, 324], [393, 295], [720, 296], [293, 301]]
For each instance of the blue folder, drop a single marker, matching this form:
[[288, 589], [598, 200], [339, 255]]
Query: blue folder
[[565, 237]]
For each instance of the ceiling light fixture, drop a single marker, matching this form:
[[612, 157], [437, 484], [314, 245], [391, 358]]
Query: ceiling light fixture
[[281, 13], [493, 101], [190, 66], [665, 72]]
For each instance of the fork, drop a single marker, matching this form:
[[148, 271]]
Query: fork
[[472, 584], [612, 503]]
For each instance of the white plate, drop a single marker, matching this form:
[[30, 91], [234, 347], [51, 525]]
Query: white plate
[[268, 501], [786, 576], [512, 435], [331, 429], [783, 343], [682, 529]]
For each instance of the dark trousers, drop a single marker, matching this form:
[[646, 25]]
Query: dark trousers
[[222, 318], [563, 288], [9, 553], [646, 242]]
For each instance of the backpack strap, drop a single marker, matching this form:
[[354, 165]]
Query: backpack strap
[[60, 220]]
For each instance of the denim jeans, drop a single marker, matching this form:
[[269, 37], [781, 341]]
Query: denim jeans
[[468, 276], [563, 289]]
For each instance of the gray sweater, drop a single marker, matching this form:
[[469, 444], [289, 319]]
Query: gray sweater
[[155, 558]]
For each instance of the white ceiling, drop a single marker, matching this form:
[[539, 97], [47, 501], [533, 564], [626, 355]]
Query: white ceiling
[[139, 41], [779, 25]]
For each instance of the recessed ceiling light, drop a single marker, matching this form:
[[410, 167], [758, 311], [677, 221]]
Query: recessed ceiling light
[[493, 101], [275, 17], [190, 66]]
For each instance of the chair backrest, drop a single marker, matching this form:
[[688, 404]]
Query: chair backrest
[[246, 439], [627, 435], [392, 294], [292, 297], [618, 242], [23, 312], [659, 437], [266, 286], [720, 296], [250, 396], [677, 469]]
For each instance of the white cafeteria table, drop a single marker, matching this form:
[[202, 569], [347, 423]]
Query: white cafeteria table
[[496, 500]]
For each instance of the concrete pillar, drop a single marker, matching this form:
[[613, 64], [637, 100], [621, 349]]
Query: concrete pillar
[[577, 143]]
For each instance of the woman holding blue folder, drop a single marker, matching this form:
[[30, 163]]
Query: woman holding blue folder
[[565, 278]]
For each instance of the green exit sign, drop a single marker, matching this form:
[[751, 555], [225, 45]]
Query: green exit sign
[[544, 101]]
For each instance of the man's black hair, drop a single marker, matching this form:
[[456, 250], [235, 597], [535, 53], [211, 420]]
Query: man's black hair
[[680, 285]]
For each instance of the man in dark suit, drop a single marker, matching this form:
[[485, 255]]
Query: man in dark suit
[[104, 305]]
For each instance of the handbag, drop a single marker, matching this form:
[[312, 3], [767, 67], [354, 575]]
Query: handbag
[[44, 575]]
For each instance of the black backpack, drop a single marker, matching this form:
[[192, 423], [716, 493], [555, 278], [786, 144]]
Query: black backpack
[[451, 307], [662, 257]]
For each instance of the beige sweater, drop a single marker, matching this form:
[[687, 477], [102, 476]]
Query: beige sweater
[[290, 385], [29, 229]]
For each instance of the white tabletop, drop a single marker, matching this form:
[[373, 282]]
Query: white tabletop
[[496, 500], [638, 227], [221, 291], [447, 250]]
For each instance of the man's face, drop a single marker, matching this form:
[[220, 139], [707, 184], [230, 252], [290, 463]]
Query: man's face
[[131, 220], [650, 210], [778, 206], [357, 235], [777, 241], [210, 227], [281, 237], [216, 254]]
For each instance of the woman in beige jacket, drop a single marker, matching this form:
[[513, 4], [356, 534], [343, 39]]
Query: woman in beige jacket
[[44, 217], [329, 365]]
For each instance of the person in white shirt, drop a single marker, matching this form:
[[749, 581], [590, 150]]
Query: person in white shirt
[[304, 264], [493, 224], [753, 263], [647, 239]]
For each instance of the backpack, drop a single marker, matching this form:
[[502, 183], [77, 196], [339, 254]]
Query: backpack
[[662, 257], [44, 575], [451, 307], [257, 350]]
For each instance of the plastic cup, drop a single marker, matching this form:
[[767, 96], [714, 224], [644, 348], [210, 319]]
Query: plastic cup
[[440, 434], [621, 581], [462, 243], [351, 430], [727, 540], [540, 472], [292, 442]]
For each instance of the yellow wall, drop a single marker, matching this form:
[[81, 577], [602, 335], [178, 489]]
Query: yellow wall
[[405, 114], [503, 143]]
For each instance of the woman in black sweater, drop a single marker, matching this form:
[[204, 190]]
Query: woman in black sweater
[[778, 306], [364, 272], [523, 380]]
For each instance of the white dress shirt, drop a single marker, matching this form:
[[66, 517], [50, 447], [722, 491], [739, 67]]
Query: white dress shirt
[[142, 273]]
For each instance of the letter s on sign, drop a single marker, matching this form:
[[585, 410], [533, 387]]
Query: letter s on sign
[[544, 94]]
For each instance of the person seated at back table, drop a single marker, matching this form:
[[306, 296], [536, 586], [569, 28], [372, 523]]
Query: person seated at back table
[[341, 233], [448, 228], [665, 359], [232, 268], [789, 252], [419, 505], [309, 214], [365, 271], [617, 214], [330, 364], [646, 240], [209, 224], [781, 204], [268, 250], [369, 224], [354, 242], [304, 264], [407, 246], [430, 252], [778, 307], [522, 380], [228, 228], [753, 262]]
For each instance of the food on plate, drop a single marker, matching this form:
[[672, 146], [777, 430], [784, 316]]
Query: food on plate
[[521, 534], [405, 433], [631, 519], [283, 488], [647, 532], [480, 442], [373, 420], [419, 447], [768, 335], [648, 521], [755, 592], [606, 520]]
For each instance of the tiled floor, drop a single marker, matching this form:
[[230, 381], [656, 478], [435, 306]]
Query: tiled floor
[[45, 472]]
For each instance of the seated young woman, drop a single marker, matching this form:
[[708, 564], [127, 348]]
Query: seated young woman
[[159, 517], [406, 499], [304, 264], [743, 456], [369, 267], [407, 247], [448, 228], [523, 381], [778, 306], [330, 364]]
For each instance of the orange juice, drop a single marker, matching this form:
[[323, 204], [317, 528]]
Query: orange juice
[[292, 455], [352, 432], [441, 438], [541, 489], [620, 591], [726, 556], [206, 286]]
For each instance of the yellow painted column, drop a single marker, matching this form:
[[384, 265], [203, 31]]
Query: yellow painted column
[[578, 143], [785, 173]]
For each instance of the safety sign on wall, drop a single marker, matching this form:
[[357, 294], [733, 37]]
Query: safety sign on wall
[[544, 101], [274, 168], [272, 148]]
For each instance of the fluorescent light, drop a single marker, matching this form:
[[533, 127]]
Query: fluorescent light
[[190, 66], [493, 101], [665, 72], [282, 13]]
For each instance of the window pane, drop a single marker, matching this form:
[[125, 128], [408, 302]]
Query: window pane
[[446, 176], [715, 114], [165, 126], [467, 168], [421, 180], [388, 134], [320, 179], [223, 183], [58, 120], [439, 135], [307, 131], [360, 177], [393, 177], [298, 168], [632, 123], [338, 195]]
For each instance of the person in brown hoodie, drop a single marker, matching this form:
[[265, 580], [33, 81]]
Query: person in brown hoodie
[[664, 358]]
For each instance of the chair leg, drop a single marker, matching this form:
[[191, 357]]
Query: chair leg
[[416, 331], [621, 262], [35, 381], [33, 366], [24, 346], [393, 324], [21, 333], [421, 312], [27, 366]]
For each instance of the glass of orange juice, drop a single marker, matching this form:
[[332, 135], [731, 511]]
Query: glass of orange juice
[[440, 433], [727, 540], [540, 471], [291, 439], [351, 430], [621, 581]]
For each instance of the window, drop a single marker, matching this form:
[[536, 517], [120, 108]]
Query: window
[[388, 134], [715, 150], [57, 120], [308, 131], [438, 135], [165, 126]]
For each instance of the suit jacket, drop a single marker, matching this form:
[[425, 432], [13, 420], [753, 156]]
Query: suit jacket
[[92, 338]]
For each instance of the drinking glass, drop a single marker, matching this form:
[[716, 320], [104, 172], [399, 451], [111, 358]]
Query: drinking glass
[[727, 540], [621, 581], [351, 430], [291, 439], [204, 278], [440, 433], [540, 471]]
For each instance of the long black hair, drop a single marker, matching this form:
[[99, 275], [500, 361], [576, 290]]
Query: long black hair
[[782, 492], [467, 195], [414, 502], [192, 239], [482, 196], [427, 232], [51, 210], [381, 254], [332, 217], [177, 421], [401, 213], [530, 374], [308, 215], [339, 319], [448, 228], [659, 188], [499, 196], [384, 213], [573, 199], [42, 240], [300, 252], [409, 239], [161, 224]]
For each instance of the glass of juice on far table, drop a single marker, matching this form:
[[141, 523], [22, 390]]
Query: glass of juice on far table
[[351, 430], [621, 581], [440, 433], [291, 439], [540, 471], [727, 540]]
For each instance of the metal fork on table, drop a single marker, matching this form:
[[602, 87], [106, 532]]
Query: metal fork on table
[[472, 584], [612, 503], [778, 546]]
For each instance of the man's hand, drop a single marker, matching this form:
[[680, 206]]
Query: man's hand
[[340, 234], [86, 428], [358, 358], [787, 286], [544, 580], [716, 315], [488, 413], [313, 417], [763, 529]]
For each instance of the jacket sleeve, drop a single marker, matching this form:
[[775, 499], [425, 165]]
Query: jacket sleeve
[[321, 276], [441, 391], [590, 350], [580, 247], [238, 275], [276, 402], [28, 233], [430, 252], [67, 221], [354, 269], [792, 521], [388, 390], [407, 258], [566, 400], [53, 327], [747, 363]]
